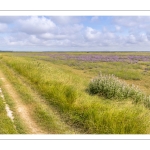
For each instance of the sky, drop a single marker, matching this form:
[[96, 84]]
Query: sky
[[75, 33]]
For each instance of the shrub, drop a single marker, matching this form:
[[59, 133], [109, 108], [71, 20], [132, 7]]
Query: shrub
[[110, 87]]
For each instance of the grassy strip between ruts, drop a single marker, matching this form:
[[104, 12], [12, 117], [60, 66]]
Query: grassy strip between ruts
[[81, 110], [18, 123], [6, 125]]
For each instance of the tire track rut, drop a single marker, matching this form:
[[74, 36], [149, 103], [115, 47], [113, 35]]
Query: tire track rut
[[21, 109]]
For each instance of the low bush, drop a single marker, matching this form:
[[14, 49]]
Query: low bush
[[110, 87]]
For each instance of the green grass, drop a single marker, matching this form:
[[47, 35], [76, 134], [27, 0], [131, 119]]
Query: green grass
[[124, 70], [6, 125], [18, 123], [64, 88], [40, 112]]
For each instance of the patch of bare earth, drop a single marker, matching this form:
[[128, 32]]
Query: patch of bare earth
[[22, 109]]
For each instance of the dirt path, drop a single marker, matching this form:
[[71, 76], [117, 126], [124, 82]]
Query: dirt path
[[22, 110]]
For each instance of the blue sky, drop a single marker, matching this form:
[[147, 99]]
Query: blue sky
[[75, 33]]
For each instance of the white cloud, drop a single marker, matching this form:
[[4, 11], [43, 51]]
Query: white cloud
[[133, 22], [52, 36], [10, 40], [3, 27], [125, 21], [62, 19], [11, 19], [33, 39], [21, 39], [94, 19], [143, 38], [64, 42], [117, 27], [109, 35], [92, 34], [67, 31], [104, 38], [131, 39], [36, 25], [66, 20]]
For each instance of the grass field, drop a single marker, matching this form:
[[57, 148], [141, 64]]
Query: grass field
[[61, 95]]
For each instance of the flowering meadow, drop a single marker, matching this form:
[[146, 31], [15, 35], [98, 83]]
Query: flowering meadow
[[92, 92], [100, 57]]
